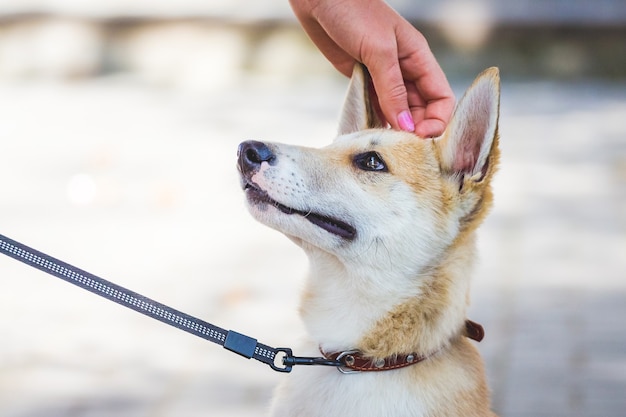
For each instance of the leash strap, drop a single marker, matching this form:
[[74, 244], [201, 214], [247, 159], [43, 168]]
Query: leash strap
[[231, 340], [248, 347]]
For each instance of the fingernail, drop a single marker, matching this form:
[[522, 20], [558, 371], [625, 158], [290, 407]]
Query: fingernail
[[405, 121]]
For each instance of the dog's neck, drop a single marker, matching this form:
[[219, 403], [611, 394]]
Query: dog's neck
[[422, 312]]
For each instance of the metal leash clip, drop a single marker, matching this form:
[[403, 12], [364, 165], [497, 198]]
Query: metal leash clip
[[289, 361]]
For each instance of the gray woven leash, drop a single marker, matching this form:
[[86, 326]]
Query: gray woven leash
[[236, 342]]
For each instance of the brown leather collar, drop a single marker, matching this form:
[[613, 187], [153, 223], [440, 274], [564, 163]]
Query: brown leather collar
[[474, 330], [354, 361]]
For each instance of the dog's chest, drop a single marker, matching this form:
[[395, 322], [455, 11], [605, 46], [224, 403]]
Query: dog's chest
[[327, 392]]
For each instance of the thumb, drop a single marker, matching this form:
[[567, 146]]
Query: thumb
[[392, 95]]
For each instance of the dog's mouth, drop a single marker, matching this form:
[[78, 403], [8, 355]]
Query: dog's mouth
[[331, 225]]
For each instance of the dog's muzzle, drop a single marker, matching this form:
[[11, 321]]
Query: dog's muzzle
[[250, 155]]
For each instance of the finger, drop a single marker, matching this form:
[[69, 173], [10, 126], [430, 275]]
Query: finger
[[436, 117], [430, 117], [436, 103], [430, 97], [417, 105], [390, 87]]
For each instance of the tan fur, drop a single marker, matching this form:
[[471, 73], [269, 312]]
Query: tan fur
[[409, 327], [388, 222]]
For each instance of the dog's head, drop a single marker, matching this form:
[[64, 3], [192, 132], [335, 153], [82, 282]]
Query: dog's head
[[375, 197]]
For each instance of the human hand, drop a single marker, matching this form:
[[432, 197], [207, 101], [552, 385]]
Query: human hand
[[413, 92]]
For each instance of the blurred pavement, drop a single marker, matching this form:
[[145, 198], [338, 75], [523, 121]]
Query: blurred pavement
[[138, 184]]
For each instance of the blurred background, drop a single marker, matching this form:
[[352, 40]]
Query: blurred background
[[119, 123]]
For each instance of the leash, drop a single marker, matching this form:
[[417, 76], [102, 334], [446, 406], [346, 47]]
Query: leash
[[279, 359]]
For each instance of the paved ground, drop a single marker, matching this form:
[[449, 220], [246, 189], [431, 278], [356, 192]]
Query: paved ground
[[138, 185]]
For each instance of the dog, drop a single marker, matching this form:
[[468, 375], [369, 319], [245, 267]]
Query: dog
[[388, 223]]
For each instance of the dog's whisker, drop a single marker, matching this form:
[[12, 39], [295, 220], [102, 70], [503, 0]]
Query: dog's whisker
[[381, 242]]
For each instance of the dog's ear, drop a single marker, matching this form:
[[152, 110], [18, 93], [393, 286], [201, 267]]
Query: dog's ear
[[468, 148], [360, 107]]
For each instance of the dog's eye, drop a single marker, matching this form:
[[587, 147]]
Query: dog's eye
[[370, 161]]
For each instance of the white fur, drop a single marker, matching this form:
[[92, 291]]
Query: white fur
[[401, 239]]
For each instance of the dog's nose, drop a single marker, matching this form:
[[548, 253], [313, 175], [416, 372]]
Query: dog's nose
[[252, 153]]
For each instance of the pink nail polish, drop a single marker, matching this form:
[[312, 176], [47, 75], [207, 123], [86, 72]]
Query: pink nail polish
[[405, 121]]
